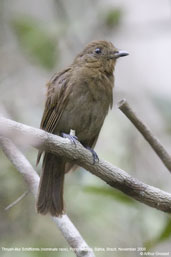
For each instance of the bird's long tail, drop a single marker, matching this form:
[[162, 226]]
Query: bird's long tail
[[50, 196]]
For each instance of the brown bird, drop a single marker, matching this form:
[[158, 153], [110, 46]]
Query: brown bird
[[78, 98]]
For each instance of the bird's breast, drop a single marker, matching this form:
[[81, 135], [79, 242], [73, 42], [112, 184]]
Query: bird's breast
[[87, 107]]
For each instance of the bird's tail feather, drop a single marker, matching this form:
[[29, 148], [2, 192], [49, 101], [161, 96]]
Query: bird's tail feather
[[50, 196]]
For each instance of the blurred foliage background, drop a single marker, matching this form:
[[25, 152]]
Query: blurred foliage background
[[38, 38]]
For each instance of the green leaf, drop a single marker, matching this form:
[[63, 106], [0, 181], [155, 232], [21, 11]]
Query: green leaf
[[105, 191], [36, 41], [113, 17], [164, 235]]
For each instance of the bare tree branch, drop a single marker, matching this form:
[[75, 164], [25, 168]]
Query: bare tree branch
[[112, 175], [21, 197], [30, 176], [146, 132]]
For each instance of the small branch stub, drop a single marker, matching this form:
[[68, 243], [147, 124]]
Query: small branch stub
[[17, 201]]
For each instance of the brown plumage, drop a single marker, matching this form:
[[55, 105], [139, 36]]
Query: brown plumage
[[78, 98]]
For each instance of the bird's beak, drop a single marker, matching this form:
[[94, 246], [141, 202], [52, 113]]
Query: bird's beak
[[120, 53]]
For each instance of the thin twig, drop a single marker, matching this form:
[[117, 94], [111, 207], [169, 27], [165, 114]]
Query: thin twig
[[146, 132], [112, 175], [21, 197], [69, 231]]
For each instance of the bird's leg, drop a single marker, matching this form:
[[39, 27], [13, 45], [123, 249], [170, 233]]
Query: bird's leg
[[94, 154], [71, 136]]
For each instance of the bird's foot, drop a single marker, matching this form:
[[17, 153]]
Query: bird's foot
[[94, 154], [73, 139]]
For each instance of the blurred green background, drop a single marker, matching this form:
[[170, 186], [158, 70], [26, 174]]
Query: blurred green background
[[38, 38]]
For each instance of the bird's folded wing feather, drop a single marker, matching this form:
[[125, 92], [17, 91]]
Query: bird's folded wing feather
[[57, 98]]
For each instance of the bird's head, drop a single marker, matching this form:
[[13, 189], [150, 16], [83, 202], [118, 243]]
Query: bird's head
[[100, 54]]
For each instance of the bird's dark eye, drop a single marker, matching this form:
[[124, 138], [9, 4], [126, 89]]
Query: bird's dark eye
[[98, 51]]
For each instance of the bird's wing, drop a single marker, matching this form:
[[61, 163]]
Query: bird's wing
[[57, 98], [92, 142]]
